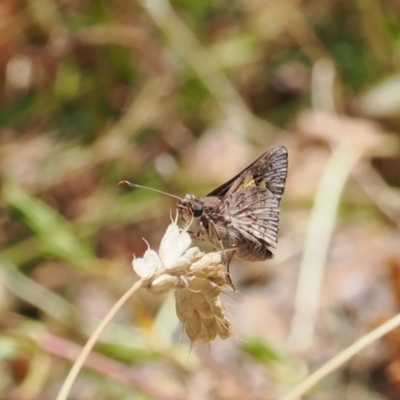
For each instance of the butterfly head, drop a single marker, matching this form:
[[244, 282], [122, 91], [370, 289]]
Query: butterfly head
[[189, 208]]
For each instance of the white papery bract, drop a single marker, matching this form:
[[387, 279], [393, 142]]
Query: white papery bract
[[197, 278], [146, 267], [173, 245]]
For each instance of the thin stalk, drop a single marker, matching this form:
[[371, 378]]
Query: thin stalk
[[342, 357], [321, 226], [69, 381]]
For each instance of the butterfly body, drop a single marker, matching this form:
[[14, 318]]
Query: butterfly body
[[242, 215]]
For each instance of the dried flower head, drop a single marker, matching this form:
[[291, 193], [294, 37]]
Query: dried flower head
[[197, 278]]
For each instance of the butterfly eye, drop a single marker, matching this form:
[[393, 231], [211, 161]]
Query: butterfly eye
[[197, 210]]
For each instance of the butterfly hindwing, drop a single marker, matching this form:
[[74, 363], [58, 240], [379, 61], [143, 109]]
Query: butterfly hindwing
[[255, 213]]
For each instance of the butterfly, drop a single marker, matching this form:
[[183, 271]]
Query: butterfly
[[242, 215]]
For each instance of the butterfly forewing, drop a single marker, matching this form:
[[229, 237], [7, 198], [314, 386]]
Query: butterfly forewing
[[270, 168]]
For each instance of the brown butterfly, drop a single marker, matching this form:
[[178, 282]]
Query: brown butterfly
[[242, 215]]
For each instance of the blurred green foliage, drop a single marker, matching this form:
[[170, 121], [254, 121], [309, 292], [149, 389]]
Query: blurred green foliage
[[93, 92]]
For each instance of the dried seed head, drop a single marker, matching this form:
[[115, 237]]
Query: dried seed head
[[202, 315], [197, 278]]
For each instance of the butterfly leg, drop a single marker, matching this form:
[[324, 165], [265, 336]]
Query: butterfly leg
[[227, 255], [228, 260]]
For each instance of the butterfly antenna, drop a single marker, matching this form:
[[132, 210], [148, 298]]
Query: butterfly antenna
[[135, 185]]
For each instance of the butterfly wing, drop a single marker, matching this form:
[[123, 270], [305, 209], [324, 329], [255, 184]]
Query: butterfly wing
[[252, 201], [268, 171], [254, 213]]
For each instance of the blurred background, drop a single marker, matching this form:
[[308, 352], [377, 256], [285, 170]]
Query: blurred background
[[180, 96]]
